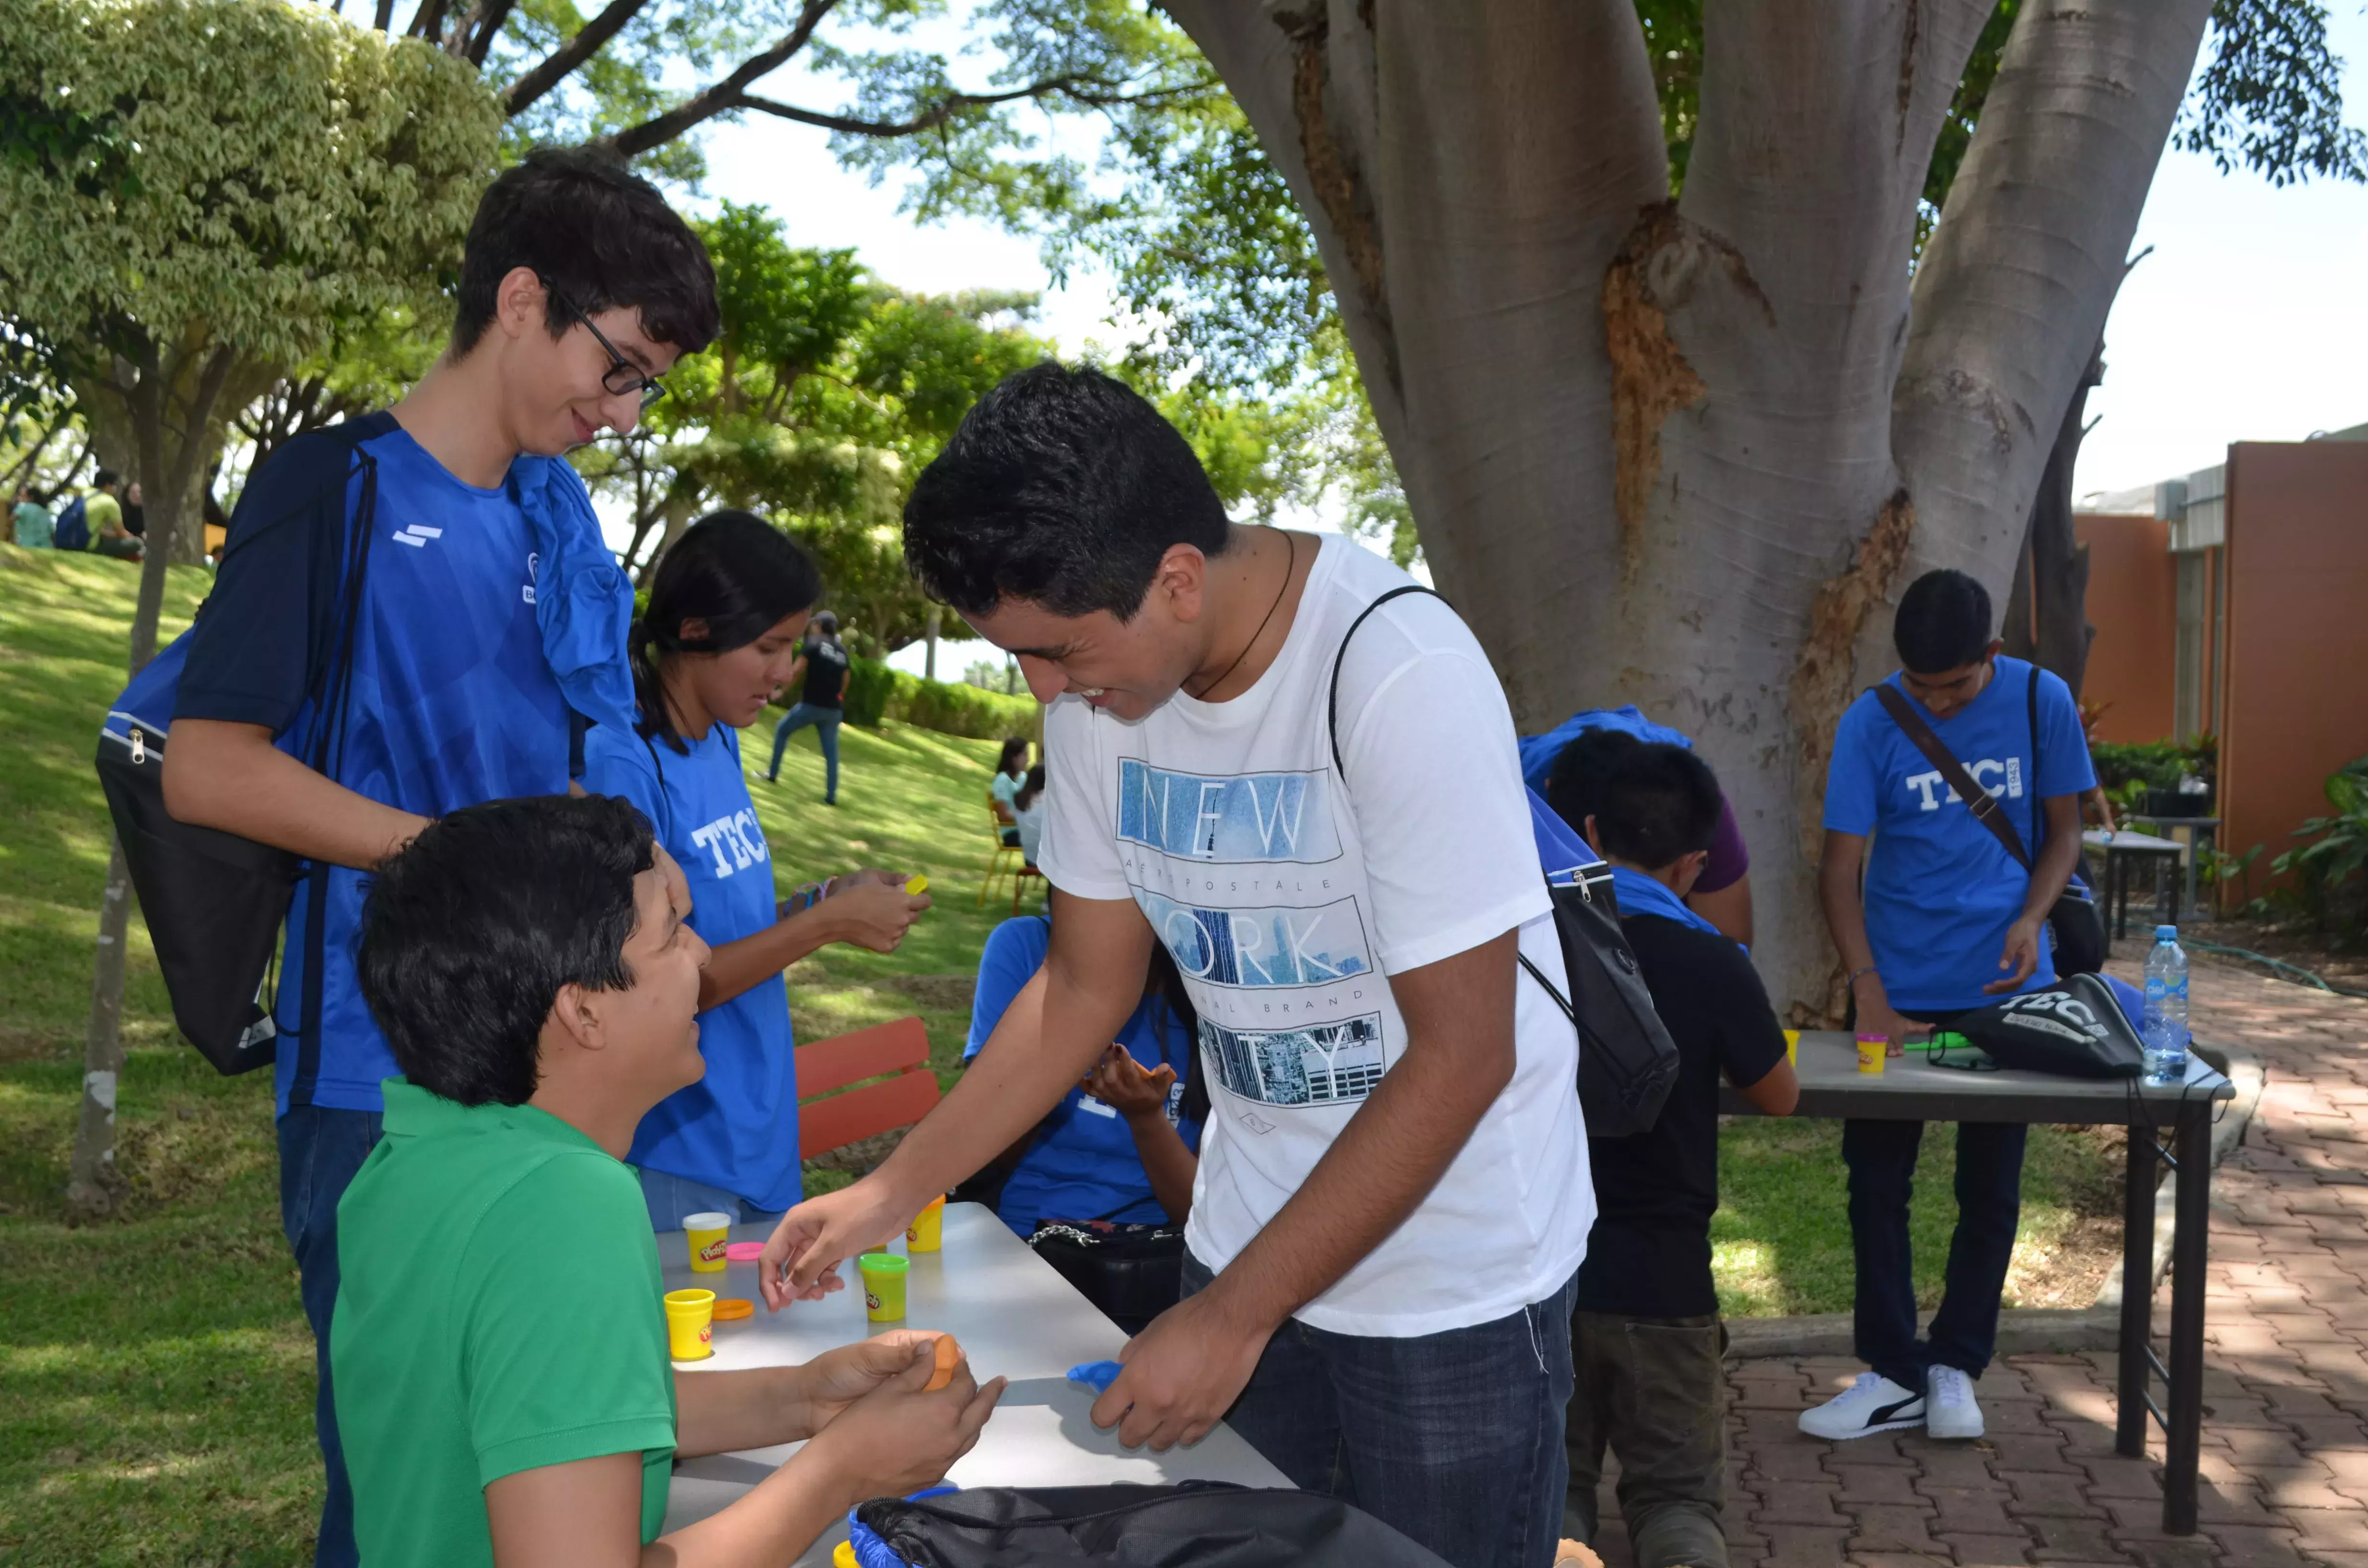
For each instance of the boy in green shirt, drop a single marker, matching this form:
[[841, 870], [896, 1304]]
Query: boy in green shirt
[[498, 1347]]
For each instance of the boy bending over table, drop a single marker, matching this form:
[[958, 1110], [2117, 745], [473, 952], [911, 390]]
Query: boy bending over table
[[498, 1342]]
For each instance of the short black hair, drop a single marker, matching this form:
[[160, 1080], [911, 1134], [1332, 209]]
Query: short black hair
[[1943, 622], [736, 572], [469, 931], [596, 233], [1573, 788], [1657, 804], [104, 478], [825, 622], [1062, 487]]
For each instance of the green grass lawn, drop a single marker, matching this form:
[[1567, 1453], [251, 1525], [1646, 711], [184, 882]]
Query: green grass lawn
[[156, 1370]]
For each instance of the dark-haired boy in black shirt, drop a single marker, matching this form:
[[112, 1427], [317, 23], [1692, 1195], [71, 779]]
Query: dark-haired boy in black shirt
[[1645, 1340]]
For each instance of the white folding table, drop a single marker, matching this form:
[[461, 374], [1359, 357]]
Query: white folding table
[[1015, 1317]]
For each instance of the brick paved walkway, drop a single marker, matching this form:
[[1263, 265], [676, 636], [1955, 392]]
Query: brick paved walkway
[[2285, 1425]]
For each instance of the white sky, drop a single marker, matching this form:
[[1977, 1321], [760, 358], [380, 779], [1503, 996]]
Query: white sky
[[2249, 321]]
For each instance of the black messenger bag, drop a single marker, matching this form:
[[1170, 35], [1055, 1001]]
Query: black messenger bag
[[1199, 1524]]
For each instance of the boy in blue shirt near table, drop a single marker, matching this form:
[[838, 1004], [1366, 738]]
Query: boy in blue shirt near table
[[487, 625], [1948, 922]]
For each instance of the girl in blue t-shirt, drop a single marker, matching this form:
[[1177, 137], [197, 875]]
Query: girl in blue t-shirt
[[725, 613], [1121, 1146]]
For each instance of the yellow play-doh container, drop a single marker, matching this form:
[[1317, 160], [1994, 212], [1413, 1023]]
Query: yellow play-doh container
[[1793, 1046], [1873, 1051], [691, 1324], [884, 1286], [709, 1235], [927, 1233], [916, 885]]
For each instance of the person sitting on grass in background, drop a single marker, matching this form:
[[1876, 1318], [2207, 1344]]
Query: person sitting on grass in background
[[102, 511], [1645, 1338], [722, 628], [1937, 920], [822, 702], [30, 521], [499, 1343], [1028, 814], [1003, 790]]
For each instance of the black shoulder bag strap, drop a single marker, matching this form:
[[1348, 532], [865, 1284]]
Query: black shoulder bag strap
[[1980, 801], [1332, 724], [329, 710]]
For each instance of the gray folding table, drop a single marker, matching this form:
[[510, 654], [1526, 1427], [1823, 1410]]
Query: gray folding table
[[1912, 1090]]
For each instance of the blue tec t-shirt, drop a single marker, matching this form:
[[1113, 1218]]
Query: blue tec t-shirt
[[1940, 890], [737, 1127], [1083, 1164], [452, 703]]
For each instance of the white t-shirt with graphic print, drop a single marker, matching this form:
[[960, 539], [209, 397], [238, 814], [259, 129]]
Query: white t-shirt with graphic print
[[1286, 897]]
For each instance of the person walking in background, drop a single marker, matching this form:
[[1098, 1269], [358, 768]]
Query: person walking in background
[[492, 625], [31, 520], [822, 703], [1646, 1342], [718, 639], [1947, 921], [1003, 790]]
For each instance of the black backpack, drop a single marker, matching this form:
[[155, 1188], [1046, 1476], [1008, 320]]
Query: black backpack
[[213, 902], [1199, 1524], [2075, 1029], [1627, 1062]]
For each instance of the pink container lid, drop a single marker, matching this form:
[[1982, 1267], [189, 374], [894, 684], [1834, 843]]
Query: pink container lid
[[745, 1252]]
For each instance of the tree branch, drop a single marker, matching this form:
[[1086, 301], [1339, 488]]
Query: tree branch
[[427, 22], [1076, 89], [484, 23], [722, 95], [384, 18], [555, 67]]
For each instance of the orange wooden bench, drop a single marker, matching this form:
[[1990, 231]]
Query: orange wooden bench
[[896, 1053]]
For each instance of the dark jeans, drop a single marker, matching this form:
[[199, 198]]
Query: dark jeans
[[826, 721], [1881, 1156], [320, 1149], [1453, 1439], [1653, 1391]]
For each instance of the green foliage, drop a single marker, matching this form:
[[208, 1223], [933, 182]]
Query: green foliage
[[869, 686], [875, 693], [2152, 764], [2328, 870], [251, 174], [2271, 97]]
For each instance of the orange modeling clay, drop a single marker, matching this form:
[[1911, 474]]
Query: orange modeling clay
[[949, 1354]]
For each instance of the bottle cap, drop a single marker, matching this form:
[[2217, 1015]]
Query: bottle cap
[[917, 885], [2166, 933]]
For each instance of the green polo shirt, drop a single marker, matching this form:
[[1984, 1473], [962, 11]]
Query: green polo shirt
[[497, 1310], [103, 512]]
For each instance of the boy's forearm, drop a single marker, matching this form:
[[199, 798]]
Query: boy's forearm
[[231, 777], [777, 1520], [722, 1413]]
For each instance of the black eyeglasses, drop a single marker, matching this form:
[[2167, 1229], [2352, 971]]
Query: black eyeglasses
[[623, 378]]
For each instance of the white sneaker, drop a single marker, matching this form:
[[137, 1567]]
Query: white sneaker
[[1951, 1410], [1873, 1403]]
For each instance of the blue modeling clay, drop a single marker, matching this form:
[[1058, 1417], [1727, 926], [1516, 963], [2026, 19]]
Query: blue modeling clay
[[1096, 1375]]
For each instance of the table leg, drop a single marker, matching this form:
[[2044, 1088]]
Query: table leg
[[2188, 1251], [2137, 1295]]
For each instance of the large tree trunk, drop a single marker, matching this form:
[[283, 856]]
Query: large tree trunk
[[1684, 454]]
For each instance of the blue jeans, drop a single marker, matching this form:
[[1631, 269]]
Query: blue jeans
[[1881, 1156], [672, 1197], [320, 1149], [1453, 1439], [825, 723]]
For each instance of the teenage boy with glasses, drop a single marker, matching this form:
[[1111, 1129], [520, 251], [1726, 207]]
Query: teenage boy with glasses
[[490, 626]]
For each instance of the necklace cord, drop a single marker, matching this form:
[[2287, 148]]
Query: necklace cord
[[1289, 572]]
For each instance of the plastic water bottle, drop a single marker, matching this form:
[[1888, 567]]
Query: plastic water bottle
[[2165, 1033]]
